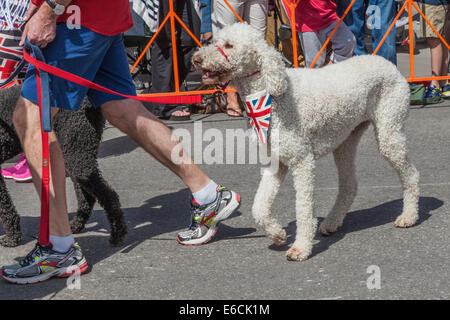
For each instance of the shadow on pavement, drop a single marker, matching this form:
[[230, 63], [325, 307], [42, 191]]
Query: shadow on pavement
[[157, 216], [116, 147], [361, 220]]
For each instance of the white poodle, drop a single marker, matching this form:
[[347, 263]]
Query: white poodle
[[316, 112]]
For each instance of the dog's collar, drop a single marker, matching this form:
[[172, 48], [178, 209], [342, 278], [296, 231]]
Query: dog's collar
[[228, 60]]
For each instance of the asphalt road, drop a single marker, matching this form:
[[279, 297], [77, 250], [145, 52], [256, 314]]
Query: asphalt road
[[241, 263]]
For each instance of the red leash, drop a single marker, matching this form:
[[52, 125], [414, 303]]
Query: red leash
[[44, 229], [86, 83]]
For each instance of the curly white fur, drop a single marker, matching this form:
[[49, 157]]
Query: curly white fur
[[316, 112]]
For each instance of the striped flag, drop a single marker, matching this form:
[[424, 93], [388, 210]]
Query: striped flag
[[258, 107], [12, 13]]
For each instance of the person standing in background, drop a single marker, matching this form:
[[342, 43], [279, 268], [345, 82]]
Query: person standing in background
[[315, 20], [437, 11], [206, 27], [254, 12], [378, 15], [161, 51]]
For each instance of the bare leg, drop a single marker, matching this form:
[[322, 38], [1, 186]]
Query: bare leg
[[28, 127], [444, 68], [233, 107], [132, 118], [437, 56]]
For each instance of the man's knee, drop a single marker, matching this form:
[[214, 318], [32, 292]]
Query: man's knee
[[20, 114], [26, 115], [124, 113]]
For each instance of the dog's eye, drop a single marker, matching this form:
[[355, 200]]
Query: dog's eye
[[228, 45]]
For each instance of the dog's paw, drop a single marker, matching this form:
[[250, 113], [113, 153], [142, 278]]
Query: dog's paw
[[76, 225], [406, 221], [326, 228], [280, 238], [10, 241], [118, 235], [296, 254]]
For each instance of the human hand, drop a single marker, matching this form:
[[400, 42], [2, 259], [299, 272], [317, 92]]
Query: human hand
[[40, 28], [32, 9]]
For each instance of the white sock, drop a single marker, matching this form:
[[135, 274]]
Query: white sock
[[62, 244], [207, 195]]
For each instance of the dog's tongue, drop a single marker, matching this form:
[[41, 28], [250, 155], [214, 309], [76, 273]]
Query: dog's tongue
[[208, 74]]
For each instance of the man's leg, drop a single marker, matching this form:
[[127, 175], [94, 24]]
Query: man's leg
[[63, 257], [439, 53], [444, 68], [132, 118], [437, 56], [28, 127], [162, 69], [211, 203]]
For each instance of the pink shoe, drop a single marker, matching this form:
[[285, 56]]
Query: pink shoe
[[7, 173], [22, 174]]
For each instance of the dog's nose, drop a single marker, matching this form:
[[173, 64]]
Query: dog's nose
[[197, 60]]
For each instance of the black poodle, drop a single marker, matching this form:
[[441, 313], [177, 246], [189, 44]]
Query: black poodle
[[79, 134]]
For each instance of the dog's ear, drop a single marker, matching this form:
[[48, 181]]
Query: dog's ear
[[273, 69]]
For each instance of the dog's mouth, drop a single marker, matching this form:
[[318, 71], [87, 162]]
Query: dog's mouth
[[209, 74], [212, 77]]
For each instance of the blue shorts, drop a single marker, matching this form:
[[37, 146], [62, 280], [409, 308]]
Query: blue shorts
[[90, 55]]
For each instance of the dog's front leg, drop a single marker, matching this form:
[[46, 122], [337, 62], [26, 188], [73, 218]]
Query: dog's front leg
[[9, 218], [265, 195], [303, 174]]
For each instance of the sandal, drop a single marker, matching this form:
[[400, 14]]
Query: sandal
[[184, 109], [236, 110]]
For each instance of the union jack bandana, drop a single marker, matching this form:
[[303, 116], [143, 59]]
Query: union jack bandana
[[12, 13], [10, 54], [258, 107]]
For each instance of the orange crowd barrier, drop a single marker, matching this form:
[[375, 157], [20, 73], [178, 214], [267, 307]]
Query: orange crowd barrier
[[410, 4], [173, 18]]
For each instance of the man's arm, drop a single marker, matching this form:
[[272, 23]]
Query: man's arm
[[41, 23]]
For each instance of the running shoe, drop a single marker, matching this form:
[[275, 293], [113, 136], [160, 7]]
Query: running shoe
[[7, 173], [446, 91], [206, 218], [42, 263], [432, 95], [23, 174]]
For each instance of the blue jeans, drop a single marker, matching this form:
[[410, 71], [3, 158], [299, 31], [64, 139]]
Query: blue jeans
[[206, 16], [355, 20]]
